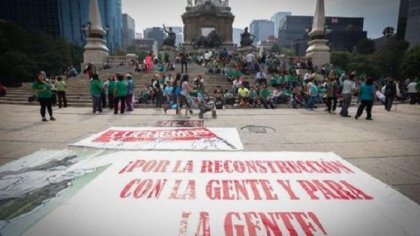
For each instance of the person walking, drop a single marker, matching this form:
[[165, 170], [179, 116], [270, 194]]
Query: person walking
[[61, 92], [332, 90], [110, 88], [44, 95], [96, 88], [120, 91], [366, 96], [184, 62], [349, 87], [390, 90]]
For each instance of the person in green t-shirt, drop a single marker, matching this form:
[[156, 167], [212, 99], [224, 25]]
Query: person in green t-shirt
[[120, 91], [266, 98], [44, 95], [96, 88], [61, 92]]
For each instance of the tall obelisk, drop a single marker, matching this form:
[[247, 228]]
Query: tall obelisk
[[96, 50], [318, 49]]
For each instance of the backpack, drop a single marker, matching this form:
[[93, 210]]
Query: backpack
[[390, 90]]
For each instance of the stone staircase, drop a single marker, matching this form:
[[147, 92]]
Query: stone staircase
[[78, 87]]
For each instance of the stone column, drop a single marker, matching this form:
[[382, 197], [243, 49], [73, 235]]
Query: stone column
[[318, 49], [95, 50]]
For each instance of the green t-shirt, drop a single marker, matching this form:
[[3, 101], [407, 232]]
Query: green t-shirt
[[120, 89], [43, 89], [111, 86], [61, 85], [95, 87], [265, 93]]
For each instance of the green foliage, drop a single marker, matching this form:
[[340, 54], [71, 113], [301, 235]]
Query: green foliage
[[390, 56], [364, 64], [341, 59], [410, 65], [365, 46], [22, 54], [275, 47]]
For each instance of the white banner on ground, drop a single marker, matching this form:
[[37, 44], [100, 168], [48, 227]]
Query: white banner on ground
[[165, 138], [232, 193]]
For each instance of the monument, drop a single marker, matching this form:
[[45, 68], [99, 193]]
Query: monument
[[318, 49], [95, 50], [208, 20]]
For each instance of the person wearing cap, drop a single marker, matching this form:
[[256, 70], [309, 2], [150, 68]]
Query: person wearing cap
[[44, 95], [130, 93]]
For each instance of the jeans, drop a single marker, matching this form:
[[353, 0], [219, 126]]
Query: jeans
[[331, 103], [388, 102], [346, 104], [182, 67], [365, 104], [129, 102], [119, 100], [111, 100], [311, 102], [97, 103], [62, 98], [45, 104], [159, 98]]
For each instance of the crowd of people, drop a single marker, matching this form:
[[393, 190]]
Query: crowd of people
[[265, 81]]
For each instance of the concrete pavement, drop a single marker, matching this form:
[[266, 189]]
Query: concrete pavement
[[387, 148]]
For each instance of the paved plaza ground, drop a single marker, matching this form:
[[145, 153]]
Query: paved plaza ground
[[387, 148]]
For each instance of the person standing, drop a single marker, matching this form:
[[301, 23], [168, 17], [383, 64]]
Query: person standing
[[157, 88], [130, 93], [332, 89], [120, 91], [61, 92], [44, 95], [183, 95], [349, 88], [366, 96], [184, 62], [96, 88], [111, 87], [312, 93]]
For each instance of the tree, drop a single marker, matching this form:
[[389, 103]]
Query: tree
[[275, 47], [365, 46], [341, 59], [409, 67], [388, 32], [364, 64], [390, 56]]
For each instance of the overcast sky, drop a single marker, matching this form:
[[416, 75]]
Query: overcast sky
[[377, 13]]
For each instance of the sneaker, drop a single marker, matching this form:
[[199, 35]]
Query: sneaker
[[369, 118], [52, 118], [356, 117], [44, 119]]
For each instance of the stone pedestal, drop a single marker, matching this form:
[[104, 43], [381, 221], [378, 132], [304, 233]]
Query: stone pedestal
[[247, 49], [171, 51], [319, 52], [95, 52]]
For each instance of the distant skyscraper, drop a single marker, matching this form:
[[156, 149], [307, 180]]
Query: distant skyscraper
[[155, 33], [64, 18], [237, 36], [345, 33], [412, 33], [402, 19], [262, 29], [129, 30], [279, 18]]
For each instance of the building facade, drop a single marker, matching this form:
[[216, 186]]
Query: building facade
[[343, 33], [129, 30], [261, 29], [279, 18], [155, 33], [64, 18], [412, 32]]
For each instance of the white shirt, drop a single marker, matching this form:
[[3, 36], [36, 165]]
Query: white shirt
[[411, 87], [348, 87]]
